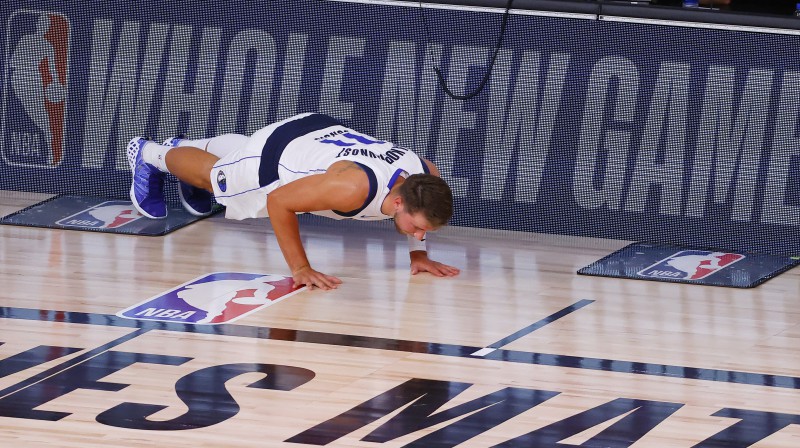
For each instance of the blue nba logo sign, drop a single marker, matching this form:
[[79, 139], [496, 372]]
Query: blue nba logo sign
[[216, 298], [106, 215], [34, 89], [690, 265]]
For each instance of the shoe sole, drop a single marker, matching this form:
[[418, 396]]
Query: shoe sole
[[139, 209]]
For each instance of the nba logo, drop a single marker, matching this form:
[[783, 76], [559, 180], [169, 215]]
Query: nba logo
[[216, 298], [35, 89], [690, 265], [106, 215]]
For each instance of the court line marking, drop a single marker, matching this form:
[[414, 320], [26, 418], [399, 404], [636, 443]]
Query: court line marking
[[533, 327], [66, 365], [431, 348]]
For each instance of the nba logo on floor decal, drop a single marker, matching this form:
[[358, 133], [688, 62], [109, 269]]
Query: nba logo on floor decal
[[690, 265], [35, 89], [216, 298], [106, 215]]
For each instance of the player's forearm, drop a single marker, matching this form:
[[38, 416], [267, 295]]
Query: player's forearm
[[287, 232]]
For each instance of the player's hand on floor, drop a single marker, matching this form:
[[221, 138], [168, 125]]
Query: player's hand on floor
[[424, 264], [306, 276]]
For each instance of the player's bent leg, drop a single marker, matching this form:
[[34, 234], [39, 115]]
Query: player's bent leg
[[191, 165], [195, 200]]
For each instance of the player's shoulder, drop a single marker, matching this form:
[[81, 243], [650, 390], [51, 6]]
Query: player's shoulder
[[350, 176], [349, 182], [345, 167], [432, 169]]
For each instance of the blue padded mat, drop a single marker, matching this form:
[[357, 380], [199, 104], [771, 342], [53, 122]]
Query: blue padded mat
[[98, 214], [667, 263]]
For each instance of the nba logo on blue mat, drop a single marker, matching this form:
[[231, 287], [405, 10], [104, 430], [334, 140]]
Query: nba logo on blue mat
[[214, 298], [34, 89], [690, 265], [106, 215]]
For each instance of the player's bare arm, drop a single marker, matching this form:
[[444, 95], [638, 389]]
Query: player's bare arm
[[344, 186]]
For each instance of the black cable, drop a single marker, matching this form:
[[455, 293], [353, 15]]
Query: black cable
[[486, 76]]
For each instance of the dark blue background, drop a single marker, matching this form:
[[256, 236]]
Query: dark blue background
[[586, 41]]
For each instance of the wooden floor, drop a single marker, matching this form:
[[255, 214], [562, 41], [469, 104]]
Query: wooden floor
[[388, 359]]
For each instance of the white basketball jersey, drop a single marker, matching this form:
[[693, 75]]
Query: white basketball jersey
[[383, 162]]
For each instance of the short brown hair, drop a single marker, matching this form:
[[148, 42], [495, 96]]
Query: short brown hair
[[430, 195]]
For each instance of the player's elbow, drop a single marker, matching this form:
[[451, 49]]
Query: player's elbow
[[276, 202], [283, 201]]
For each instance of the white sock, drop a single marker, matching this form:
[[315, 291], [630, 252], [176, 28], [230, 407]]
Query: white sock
[[224, 144], [195, 143], [220, 146], [156, 155]]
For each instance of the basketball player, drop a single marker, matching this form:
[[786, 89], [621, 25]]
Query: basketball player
[[307, 163]]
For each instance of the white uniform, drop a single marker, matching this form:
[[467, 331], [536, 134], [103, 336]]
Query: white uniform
[[302, 146]]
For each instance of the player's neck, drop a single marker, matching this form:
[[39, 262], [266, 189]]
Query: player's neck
[[387, 207]]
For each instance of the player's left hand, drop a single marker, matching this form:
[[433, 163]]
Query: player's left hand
[[421, 263]]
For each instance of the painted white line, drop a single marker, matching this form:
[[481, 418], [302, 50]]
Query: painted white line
[[483, 351]]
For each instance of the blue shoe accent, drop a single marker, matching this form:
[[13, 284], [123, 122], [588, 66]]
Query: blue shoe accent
[[195, 200], [147, 188], [174, 141]]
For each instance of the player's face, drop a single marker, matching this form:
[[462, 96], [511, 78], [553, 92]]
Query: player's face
[[412, 224]]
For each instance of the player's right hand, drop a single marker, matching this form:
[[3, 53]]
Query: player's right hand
[[307, 276]]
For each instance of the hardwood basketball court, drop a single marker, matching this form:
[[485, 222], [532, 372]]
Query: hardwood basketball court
[[518, 351]]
